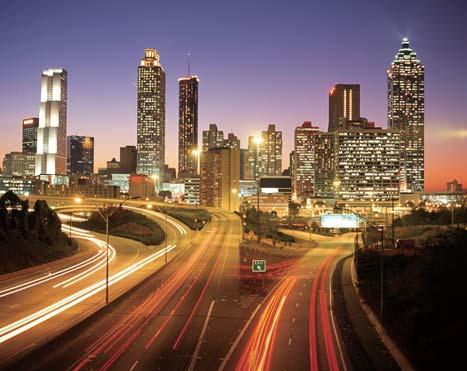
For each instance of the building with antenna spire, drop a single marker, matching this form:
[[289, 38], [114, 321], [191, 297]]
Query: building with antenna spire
[[188, 124], [406, 112]]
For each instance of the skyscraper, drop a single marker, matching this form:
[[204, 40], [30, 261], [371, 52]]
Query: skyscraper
[[212, 138], [270, 152], [151, 115], [232, 141], [51, 133], [304, 162], [220, 178], [344, 104], [30, 126], [128, 156], [187, 125], [406, 111], [80, 154]]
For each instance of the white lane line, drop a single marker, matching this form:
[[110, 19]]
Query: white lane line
[[134, 366], [201, 337]]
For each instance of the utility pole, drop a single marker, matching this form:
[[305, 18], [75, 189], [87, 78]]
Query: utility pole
[[381, 304]]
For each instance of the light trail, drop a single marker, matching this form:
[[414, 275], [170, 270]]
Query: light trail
[[18, 327], [258, 351], [115, 341], [51, 276]]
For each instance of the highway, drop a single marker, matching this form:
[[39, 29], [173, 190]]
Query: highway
[[39, 303], [195, 315], [293, 329]]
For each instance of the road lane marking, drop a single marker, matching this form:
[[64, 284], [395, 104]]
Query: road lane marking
[[134, 366], [200, 339]]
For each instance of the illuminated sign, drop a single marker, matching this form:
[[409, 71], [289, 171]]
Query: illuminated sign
[[340, 221], [258, 265]]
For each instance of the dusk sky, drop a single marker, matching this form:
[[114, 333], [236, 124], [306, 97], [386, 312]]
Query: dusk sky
[[259, 62]]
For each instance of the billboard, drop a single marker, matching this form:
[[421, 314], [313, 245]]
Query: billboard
[[340, 221]]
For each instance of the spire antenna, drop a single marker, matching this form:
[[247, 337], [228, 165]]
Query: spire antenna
[[188, 55]]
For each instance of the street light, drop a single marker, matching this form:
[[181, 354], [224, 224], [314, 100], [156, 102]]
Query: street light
[[336, 185], [197, 153], [258, 140], [155, 177], [105, 217]]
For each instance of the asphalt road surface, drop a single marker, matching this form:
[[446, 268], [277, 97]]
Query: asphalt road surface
[[196, 314], [40, 303]]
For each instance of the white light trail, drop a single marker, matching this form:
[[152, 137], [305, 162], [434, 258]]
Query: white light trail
[[18, 327]]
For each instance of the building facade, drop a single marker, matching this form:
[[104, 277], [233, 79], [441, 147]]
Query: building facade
[[367, 164], [212, 138], [128, 159], [29, 132], [220, 178], [232, 141], [151, 115], [19, 164], [304, 161], [80, 154], [406, 112], [270, 152], [344, 103], [187, 126], [325, 164], [51, 133]]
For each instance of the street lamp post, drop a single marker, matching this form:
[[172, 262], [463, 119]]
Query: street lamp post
[[381, 304], [258, 141], [197, 153], [105, 217], [336, 185]]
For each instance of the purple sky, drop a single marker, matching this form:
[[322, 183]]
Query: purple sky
[[258, 62]]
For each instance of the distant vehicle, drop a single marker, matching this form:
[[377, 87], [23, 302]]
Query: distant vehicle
[[405, 244]]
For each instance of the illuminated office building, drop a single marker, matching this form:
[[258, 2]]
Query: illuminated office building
[[344, 103], [187, 126], [406, 111], [304, 161], [325, 164], [151, 116], [30, 126], [270, 152], [232, 141], [51, 133], [367, 163], [19, 164], [220, 178], [80, 154], [212, 138]]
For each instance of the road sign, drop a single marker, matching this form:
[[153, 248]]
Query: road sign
[[258, 265]]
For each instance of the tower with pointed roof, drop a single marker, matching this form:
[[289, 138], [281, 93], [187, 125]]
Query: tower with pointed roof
[[406, 112]]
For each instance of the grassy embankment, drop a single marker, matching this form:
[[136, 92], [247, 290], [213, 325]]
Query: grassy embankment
[[127, 224]]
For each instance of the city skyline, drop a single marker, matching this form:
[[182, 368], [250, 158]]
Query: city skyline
[[445, 134]]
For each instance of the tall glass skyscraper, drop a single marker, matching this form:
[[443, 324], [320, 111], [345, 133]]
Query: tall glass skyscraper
[[187, 125], [51, 133], [406, 112], [151, 115]]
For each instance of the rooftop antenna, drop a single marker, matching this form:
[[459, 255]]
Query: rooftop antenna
[[188, 55]]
